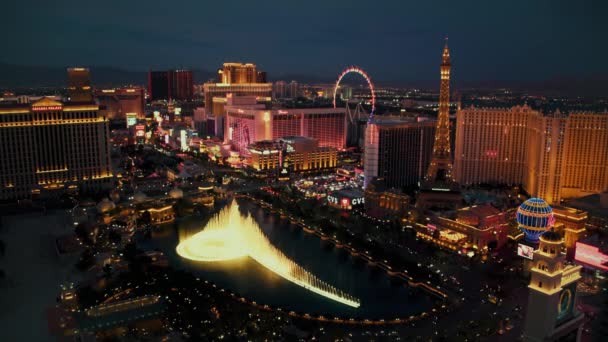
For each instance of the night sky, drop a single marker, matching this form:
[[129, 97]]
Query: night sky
[[392, 40]]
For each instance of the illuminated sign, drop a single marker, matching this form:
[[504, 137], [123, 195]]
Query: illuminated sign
[[41, 108], [357, 201], [183, 140], [140, 131], [525, 251], [178, 111], [491, 153], [591, 256], [345, 202], [131, 119]]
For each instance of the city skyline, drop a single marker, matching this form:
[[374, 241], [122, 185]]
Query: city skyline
[[223, 180], [395, 45]]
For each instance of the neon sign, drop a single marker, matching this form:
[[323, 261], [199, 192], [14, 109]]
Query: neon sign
[[41, 108], [357, 201], [491, 153], [591, 255]]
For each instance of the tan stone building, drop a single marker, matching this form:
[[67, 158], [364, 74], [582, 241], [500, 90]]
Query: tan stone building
[[553, 156], [48, 147]]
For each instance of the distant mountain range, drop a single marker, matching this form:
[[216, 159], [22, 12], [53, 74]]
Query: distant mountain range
[[19, 76]]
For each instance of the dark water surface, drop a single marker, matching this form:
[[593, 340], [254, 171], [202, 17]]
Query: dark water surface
[[381, 296]]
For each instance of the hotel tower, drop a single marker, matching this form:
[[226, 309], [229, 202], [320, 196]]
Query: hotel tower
[[48, 147]]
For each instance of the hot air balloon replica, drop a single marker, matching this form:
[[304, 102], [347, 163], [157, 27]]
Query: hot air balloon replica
[[534, 217]]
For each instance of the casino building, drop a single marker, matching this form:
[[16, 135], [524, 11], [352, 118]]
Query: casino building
[[291, 154], [48, 147], [234, 79], [553, 156], [121, 103], [398, 150], [247, 124]]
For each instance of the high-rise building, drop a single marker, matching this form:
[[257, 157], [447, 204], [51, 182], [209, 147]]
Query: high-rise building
[[158, 85], [236, 79], [553, 156], [262, 77], [216, 95], [279, 90], [182, 88], [239, 73], [491, 145], [398, 151], [294, 89], [170, 85], [552, 302], [247, 124], [439, 187], [239, 80], [585, 160], [118, 103], [545, 150], [79, 85], [48, 147]]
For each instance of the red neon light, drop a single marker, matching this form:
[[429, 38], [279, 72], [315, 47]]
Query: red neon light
[[491, 153], [591, 255], [345, 201]]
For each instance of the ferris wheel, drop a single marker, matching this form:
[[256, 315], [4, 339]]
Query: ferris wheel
[[360, 71]]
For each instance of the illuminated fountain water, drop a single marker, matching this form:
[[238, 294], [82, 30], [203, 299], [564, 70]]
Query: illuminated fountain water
[[231, 235]]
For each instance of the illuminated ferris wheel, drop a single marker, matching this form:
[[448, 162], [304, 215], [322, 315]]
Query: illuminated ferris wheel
[[360, 71]]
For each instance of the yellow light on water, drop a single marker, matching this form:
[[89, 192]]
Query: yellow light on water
[[230, 235]]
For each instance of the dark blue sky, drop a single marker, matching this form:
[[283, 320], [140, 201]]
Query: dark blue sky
[[392, 40]]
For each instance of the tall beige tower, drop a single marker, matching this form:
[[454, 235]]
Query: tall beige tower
[[438, 187], [552, 313], [440, 169]]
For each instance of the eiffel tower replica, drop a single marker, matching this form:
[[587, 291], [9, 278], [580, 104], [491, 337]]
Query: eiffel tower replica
[[438, 189]]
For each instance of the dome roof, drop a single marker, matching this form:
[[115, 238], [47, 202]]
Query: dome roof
[[176, 193], [551, 235], [139, 197], [105, 205]]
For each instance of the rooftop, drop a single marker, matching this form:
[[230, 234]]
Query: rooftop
[[484, 210], [350, 193]]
